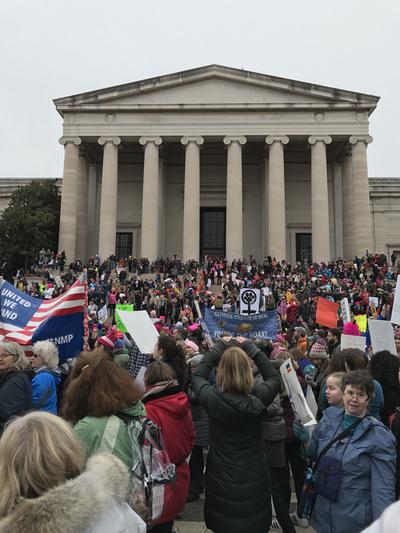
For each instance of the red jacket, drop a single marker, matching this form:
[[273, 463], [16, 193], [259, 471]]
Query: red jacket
[[170, 410]]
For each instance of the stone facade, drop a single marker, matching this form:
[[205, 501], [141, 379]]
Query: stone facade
[[224, 161]]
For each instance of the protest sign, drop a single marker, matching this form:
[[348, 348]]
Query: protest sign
[[361, 322], [352, 341], [198, 311], [25, 320], [249, 301], [327, 313], [396, 304], [295, 393], [382, 335], [118, 321], [257, 325], [345, 310], [373, 300], [102, 314], [141, 328]]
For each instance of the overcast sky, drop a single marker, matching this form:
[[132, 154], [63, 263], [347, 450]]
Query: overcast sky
[[54, 48]]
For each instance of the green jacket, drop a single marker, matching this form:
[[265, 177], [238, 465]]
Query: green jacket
[[109, 434]]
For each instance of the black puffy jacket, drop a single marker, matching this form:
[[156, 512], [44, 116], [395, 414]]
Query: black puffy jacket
[[15, 395], [238, 495]]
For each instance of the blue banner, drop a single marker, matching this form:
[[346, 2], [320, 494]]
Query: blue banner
[[219, 323]]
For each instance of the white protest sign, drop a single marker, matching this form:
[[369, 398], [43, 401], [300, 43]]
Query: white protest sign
[[249, 301], [382, 335], [396, 304], [297, 400], [196, 304], [141, 329], [345, 309], [352, 341], [373, 300], [102, 314]]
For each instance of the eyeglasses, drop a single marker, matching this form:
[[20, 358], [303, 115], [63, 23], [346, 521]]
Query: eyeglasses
[[5, 354], [358, 395]]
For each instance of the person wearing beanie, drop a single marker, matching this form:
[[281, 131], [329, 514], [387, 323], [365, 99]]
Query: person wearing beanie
[[300, 338], [320, 359]]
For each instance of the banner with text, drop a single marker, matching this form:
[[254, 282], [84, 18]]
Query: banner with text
[[223, 323]]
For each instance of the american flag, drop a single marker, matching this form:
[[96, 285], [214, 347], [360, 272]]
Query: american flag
[[24, 319]]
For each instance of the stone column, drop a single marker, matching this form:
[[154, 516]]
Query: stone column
[[82, 222], [361, 202], [92, 197], [234, 198], [151, 193], [69, 198], [191, 207], [348, 215], [109, 193], [319, 199], [276, 197], [338, 192]]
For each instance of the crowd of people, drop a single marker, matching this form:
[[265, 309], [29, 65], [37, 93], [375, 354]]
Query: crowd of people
[[229, 426]]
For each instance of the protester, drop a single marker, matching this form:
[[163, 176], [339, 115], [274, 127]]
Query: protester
[[44, 487], [169, 351], [168, 407], [237, 498], [385, 368], [47, 378], [96, 393], [365, 454], [15, 385], [334, 393], [333, 339]]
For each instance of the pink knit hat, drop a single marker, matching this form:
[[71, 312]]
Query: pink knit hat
[[192, 345]]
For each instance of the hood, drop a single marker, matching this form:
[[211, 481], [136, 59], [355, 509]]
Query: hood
[[172, 401], [137, 409], [55, 372], [245, 405], [75, 505]]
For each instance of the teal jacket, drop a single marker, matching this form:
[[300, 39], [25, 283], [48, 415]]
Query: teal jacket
[[109, 434]]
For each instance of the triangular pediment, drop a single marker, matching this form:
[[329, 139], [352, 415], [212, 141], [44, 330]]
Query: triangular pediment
[[213, 87]]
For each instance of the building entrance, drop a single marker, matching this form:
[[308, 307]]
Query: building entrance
[[123, 247], [303, 247], [212, 231]]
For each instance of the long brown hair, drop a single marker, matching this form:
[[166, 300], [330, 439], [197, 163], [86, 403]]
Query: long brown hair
[[97, 387]]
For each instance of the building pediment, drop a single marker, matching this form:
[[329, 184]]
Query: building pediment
[[215, 87]]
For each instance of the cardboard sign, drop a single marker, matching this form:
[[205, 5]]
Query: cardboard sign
[[373, 300], [396, 304], [297, 399], [361, 322], [351, 341], [141, 329], [327, 313], [382, 335], [249, 301], [345, 310], [102, 314]]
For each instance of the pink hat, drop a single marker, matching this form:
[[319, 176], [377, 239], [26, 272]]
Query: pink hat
[[192, 345], [193, 327], [105, 341]]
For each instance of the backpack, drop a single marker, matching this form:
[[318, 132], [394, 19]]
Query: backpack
[[151, 471]]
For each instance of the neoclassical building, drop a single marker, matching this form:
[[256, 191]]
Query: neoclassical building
[[216, 160]]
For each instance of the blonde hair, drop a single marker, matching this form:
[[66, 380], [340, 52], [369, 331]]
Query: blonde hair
[[234, 372], [38, 451], [21, 362], [48, 351]]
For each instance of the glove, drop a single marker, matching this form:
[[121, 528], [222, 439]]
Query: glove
[[300, 432]]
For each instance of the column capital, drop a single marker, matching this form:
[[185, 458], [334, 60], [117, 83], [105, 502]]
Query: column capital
[[270, 139], [64, 140], [198, 140], [103, 140], [156, 140], [354, 139], [229, 140], [326, 139]]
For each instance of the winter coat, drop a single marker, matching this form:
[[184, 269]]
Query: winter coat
[[44, 390], [368, 482], [93, 502], [15, 395], [109, 433], [169, 409], [200, 420], [237, 485]]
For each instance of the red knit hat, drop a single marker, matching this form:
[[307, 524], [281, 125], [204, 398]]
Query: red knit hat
[[318, 351]]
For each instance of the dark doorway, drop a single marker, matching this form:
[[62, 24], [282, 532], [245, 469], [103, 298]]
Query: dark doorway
[[123, 245], [303, 247], [212, 231]]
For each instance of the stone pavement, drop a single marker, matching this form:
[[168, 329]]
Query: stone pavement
[[192, 520]]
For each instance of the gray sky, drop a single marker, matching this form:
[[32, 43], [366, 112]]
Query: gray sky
[[54, 48]]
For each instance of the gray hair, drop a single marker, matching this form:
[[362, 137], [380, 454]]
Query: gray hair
[[48, 351], [21, 362]]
